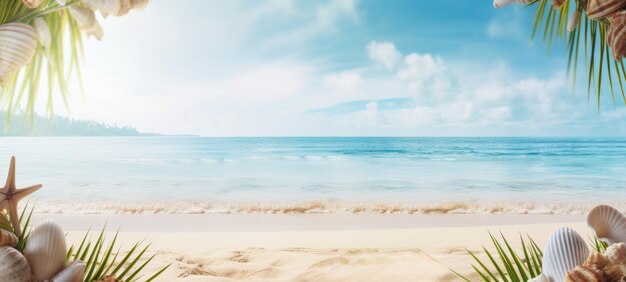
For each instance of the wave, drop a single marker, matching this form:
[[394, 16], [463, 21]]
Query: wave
[[317, 207]]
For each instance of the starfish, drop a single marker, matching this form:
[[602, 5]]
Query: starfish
[[9, 196]]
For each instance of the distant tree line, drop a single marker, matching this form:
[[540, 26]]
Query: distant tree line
[[21, 125]]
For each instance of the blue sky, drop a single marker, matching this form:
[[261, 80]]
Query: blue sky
[[334, 68]]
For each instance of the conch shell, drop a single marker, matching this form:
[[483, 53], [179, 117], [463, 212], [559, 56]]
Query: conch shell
[[17, 47], [43, 31], [45, 250], [596, 260], [13, 266], [7, 238], [86, 19], [564, 251], [32, 4], [585, 274], [73, 272], [502, 3], [597, 9], [609, 223]]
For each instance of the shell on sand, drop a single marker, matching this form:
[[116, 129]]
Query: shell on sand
[[73, 272], [502, 3], [564, 251], [597, 9], [45, 250], [608, 223], [7, 238], [17, 46], [13, 266]]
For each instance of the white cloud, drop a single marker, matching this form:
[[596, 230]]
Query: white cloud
[[384, 53], [346, 83]]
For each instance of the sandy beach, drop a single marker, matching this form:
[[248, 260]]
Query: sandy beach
[[309, 247]]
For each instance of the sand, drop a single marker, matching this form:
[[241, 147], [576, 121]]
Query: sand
[[305, 247]]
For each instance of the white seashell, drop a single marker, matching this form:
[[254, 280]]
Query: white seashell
[[13, 266], [17, 46], [7, 238], [45, 250], [609, 224], [73, 272], [502, 3], [573, 20], [84, 16], [43, 31], [565, 250]]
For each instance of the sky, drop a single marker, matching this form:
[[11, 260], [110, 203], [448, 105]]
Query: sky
[[334, 68]]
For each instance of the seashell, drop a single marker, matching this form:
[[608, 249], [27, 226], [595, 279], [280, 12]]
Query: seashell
[[558, 3], [502, 3], [596, 260], [17, 46], [597, 9], [108, 278], [564, 251], [573, 21], [43, 31], [7, 238], [609, 223], [613, 273], [584, 274], [32, 4], [73, 272], [45, 250], [616, 37], [616, 253], [13, 266], [106, 7], [86, 19], [138, 4]]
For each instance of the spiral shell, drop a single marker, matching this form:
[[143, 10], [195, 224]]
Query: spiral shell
[[502, 3], [597, 9], [584, 274], [596, 260], [17, 46], [45, 250], [609, 223], [32, 4], [13, 266], [73, 272], [7, 238], [564, 251]]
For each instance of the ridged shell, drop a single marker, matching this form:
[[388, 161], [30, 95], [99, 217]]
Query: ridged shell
[[13, 266], [32, 4], [616, 37], [502, 3], [609, 223], [597, 9], [43, 31], [616, 253], [17, 46], [564, 251], [596, 260], [45, 250], [7, 238], [73, 272], [585, 274]]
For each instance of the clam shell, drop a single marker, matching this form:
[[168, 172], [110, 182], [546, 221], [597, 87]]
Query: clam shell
[[597, 9], [13, 266], [73, 272], [616, 253], [564, 251], [7, 238], [17, 46], [609, 223], [502, 3], [43, 31], [45, 250], [585, 274]]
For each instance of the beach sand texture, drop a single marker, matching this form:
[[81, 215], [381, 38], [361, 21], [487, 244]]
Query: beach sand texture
[[317, 248]]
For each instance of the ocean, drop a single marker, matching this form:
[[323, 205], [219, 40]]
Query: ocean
[[291, 175]]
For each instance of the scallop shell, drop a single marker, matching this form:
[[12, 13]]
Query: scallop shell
[[73, 272], [616, 253], [7, 238], [597, 9], [43, 31], [45, 250], [585, 274], [565, 250], [502, 3], [32, 4], [17, 46], [13, 266], [573, 21], [596, 260], [609, 223]]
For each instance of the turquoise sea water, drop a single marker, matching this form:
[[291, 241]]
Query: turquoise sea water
[[171, 174]]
